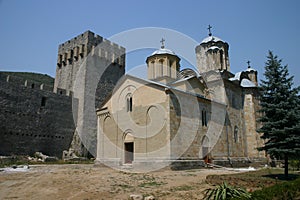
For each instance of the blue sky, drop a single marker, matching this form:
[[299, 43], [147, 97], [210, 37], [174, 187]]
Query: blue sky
[[31, 30]]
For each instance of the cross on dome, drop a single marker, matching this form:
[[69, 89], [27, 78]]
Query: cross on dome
[[209, 30], [162, 43], [248, 62]]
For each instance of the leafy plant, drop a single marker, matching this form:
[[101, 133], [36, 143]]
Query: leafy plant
[[225, 191], [285, 190]]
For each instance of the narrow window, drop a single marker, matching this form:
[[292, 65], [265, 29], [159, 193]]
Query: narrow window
[[235, 134], [221, 59], [204, 118], [153, 69], [81, 51], [170, 68], [129, 104], [43, 102], [32, 85], [161, 66]]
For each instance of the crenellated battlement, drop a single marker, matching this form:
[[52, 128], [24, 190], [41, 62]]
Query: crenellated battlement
[[16, 81], [72, 55], [80, 46]]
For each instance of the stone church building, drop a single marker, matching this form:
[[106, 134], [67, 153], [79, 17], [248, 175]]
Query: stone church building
[[182, 118]]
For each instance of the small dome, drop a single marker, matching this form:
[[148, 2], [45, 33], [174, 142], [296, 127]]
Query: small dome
[[212, 39], [236, 77], [249, 69], [163, 51], [247, 83], [187, 72]]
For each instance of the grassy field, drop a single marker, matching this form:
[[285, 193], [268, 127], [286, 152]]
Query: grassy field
[[264, 184], [253, 180]]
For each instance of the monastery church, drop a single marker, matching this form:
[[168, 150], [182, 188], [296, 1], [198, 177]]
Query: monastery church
[[182, 118]]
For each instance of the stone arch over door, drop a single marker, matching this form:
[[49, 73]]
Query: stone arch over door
[[128, 144]]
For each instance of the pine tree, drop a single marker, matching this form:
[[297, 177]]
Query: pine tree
[[280, 112]]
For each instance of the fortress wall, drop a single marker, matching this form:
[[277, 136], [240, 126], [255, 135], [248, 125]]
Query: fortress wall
[[19, 81], [33, 120]]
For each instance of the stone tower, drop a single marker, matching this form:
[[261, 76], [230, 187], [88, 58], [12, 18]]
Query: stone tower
[[252, 74], [88, 68], [212, 54], [72, 53], [163, 64]]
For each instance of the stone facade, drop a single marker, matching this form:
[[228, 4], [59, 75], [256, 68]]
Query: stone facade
[[88, 67], [185, 120], [53, 118], [33, 118], [179, 118]]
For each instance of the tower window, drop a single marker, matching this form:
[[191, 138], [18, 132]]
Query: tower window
[[153, 69], [221, 60], [43, 102], [32, 85], [204, 118], [161, 67], [235, 134]]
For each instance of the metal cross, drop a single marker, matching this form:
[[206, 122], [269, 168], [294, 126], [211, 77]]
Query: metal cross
[[162, 43], [248, 62], [209, 30]]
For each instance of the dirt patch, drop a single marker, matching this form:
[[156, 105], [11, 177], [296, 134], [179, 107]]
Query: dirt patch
[[94, 182]]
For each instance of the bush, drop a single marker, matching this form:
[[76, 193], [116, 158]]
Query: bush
[[294, 164], [225, 191], [286, 190]]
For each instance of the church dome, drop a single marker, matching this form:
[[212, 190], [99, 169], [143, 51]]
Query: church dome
[[163, 51], [250, 69], [211, 39]]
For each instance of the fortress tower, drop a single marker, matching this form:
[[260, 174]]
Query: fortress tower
[[72, 53], [88, 68], [212, 54]]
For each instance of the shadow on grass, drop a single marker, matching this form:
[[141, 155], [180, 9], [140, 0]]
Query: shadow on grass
[[282, 177]]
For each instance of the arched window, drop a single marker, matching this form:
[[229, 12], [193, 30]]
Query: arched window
[[161, 67], [129, 103], [170, 68], [204, 117], [221, 59], [153, 69], [235, 134]]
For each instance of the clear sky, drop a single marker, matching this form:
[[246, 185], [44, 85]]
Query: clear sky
[[31, 30]]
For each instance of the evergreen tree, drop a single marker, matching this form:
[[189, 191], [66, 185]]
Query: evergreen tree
[[280, 112]]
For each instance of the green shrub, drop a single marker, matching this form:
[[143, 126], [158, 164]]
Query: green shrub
[[294, 164], [225, 191], [286, 190]]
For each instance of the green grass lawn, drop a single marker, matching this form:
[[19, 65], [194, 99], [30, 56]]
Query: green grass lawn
[[269, 183]]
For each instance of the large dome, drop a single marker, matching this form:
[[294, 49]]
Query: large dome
[[212, 39], [163, 51]]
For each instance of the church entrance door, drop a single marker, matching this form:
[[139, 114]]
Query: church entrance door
[[128, 152]]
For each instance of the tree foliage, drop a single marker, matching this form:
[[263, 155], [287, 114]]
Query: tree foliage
[[280, 111]]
